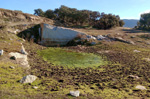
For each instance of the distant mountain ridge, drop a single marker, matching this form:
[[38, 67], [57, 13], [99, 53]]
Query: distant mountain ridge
[[131, 23]]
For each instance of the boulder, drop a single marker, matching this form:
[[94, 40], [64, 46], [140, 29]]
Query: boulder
[[75, 93], [1, 52], [17, 55], [140, 87], [28, 79], [20, 58], [100, 37]]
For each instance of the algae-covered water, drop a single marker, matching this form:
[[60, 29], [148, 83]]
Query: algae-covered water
[[69, 58]]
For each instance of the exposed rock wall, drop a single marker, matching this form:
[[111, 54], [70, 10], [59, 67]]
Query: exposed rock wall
[[14, 16]]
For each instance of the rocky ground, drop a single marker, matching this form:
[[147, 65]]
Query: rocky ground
[[125, 76]]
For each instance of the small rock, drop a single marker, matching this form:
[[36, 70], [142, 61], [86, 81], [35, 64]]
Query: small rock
[[28, 79], [10, 39], [132, 76], [75, 93], [132, 36], [100, 37], [23, 50], [12, 67], [35, 87], [91, 37], [23, 40], [1, 52], [140, 87], [136, 51], [131, 42], [147, 59]]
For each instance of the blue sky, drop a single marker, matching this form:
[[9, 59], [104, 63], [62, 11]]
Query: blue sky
[[126, 9]]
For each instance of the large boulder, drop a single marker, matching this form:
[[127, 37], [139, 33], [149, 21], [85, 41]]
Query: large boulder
[[28, 79]]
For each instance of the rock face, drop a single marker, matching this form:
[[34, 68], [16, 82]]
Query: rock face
[[15, 16], [75, 93], [1, 52], [140, 87], [53, 35], [20, 58], [28, 79]]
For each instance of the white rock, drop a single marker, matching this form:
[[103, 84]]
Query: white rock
[[23, 50], [136, 51], [28, 79], [20, 58], [75, 93], [132, 76], [146, 59], [17, 55], [1, 52], [23, 40], [91, 37], [140, 87], [100, 37], [12, 67], [35, 87]]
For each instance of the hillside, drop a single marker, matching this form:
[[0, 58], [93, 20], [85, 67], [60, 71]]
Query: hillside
[[116, 66], [130, 23]]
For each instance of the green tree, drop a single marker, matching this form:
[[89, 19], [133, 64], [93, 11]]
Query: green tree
[[50, 14], [144, 22], [39, 12], [108, 21], [121, 23]]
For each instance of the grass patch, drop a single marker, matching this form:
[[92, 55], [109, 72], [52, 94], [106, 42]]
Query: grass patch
[[69, 58]]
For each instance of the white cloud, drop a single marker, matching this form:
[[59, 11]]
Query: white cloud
[[147, 11]]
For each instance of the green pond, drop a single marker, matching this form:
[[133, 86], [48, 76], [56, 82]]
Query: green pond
[[69, 58]]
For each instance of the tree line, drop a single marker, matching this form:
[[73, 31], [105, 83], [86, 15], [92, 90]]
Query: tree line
[[144, 22], [74, 17]]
